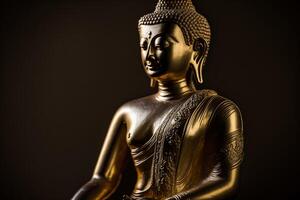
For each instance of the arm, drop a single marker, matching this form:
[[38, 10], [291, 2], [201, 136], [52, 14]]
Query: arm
[[229, 122], [110, 163]]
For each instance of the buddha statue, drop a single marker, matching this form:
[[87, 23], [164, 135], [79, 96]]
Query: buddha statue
[[185, 143]]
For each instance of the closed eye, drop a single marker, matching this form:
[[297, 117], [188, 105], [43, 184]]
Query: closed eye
[[144, 44], [161, 43]]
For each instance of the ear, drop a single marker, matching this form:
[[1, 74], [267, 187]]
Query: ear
[[198, 57]]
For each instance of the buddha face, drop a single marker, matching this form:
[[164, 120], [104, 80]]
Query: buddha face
[[165, 55]]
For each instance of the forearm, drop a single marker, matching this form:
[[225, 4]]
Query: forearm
[[95, 189], [217, 189], [212, 191]]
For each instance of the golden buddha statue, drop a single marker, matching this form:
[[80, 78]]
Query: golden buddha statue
[[185, 143]]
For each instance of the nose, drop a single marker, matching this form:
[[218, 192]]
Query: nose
[[150, 52], [150, 60], [150, 57]]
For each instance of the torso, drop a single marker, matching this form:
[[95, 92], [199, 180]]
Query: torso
[[143, 117]]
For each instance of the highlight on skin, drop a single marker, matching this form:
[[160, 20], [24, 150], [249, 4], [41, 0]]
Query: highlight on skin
[[185, 143]]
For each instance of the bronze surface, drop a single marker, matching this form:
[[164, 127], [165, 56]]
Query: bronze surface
[[185, 144]]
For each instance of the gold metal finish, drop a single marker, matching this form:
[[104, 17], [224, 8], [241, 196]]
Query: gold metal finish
[[185, 144]]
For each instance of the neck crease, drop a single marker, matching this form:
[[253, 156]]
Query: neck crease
[[170, 90]]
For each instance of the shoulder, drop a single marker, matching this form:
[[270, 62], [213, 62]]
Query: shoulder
[[134, 106], [221, 119], [222, 106], [228, 124], [136, 103], [221, 110], [229, 115]]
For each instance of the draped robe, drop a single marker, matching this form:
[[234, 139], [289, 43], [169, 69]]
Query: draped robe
[[187, 149]]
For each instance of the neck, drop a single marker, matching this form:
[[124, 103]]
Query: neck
[[169, 90]]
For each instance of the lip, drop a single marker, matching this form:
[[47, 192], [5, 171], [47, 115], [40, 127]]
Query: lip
[[152, 67]]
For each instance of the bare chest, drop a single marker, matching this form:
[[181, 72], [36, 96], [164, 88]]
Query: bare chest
[[143, 124]]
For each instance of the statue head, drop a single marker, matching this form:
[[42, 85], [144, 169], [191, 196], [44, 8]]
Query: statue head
[[174, 41]]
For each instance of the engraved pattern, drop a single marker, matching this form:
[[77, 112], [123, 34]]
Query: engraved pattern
[[233, 150], [169, 138]]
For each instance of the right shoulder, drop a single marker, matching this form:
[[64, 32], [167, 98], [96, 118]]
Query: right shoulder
[[133, 106]]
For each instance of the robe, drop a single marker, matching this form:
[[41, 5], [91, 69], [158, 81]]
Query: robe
[[187, 149]]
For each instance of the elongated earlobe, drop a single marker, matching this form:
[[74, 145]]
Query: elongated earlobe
[[199, 57]]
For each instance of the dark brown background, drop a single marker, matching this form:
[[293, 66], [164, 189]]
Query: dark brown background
[[67, 65]]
